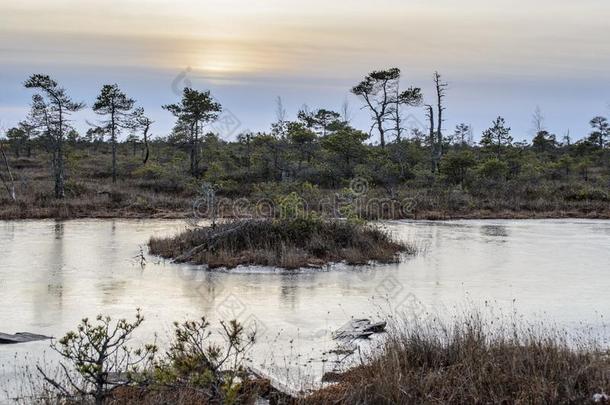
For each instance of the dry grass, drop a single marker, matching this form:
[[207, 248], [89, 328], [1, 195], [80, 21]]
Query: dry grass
[[248, 392], [288, 244], [473, 363], [89, 193], [163, 189]]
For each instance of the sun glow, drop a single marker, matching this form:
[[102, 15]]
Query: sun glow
[[224, 65], [224, 57]]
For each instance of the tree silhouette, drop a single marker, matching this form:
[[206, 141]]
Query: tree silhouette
[[51, 108], [380, 92], [497, 136], [115, 104], [195, 110], [601, 130]]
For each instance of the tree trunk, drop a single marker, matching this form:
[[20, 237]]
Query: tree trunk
[[59, 171], [397, 118], [440, 93], [59, 159], [113, 138], [146, 147], [432, 141], [381, 132], [439, 122], [113, 159], [194, 150], [9, 188]]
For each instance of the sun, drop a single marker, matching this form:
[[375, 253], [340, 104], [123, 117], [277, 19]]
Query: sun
[[222, 60]]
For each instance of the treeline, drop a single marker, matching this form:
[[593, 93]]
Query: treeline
[[320, 146]]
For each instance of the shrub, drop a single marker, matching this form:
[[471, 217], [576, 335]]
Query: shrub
[[493, 169], [151, 171], [99, 356], [194, 361], [455, 165], [588, 194]]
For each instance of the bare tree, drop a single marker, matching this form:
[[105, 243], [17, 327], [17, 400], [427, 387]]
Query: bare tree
[[141, 121], [462, 135], [381, 93], [280, 111], [411, 97], [434, 155], [280, 127], [346, 111], [376, 90], [441, 87], [538, 121], [51, 108]]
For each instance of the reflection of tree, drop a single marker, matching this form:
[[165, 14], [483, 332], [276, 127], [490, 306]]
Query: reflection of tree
[[58, 230], [494, 230], [54, 261], [205, 289], [111, 290], [8, 231], [289, 292], [56, 281]]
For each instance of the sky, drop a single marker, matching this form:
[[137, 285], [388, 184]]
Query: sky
[[499, 57]]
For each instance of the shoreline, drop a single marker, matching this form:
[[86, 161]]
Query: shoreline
[[421, 216]]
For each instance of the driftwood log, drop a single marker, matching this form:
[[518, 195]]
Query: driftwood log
[[21, 337], [359, 329]]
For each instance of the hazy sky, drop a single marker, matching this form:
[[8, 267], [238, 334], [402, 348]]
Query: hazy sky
[[500, 57]]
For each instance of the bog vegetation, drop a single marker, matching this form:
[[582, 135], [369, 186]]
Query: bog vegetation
[[419, 362], [119, 167], [475, 362], [100, 364], [286, 243]]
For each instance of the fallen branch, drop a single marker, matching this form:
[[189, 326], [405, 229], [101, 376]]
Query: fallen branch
[[209, 243]]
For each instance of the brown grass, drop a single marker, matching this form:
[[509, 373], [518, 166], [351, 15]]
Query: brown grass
[[471, 363], [288, 244], [249, 391], [163, 189]]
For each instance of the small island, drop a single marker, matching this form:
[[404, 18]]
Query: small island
[[285, 243]]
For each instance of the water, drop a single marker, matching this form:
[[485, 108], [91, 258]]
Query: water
[[54, 273]]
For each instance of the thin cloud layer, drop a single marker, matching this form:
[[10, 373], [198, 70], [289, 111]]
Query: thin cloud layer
[[322, 46]]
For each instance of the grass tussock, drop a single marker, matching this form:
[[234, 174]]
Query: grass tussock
[[471, 363], [287, 244]]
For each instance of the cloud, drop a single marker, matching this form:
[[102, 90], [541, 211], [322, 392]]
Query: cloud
[[506, 51]]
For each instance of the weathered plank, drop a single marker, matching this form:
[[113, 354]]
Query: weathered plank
[[359, 329], [21, 337]]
